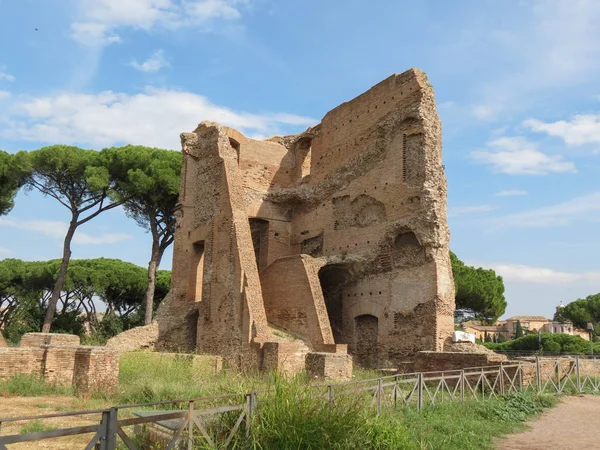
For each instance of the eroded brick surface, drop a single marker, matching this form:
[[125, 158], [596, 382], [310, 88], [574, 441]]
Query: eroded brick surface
[[337, 235]]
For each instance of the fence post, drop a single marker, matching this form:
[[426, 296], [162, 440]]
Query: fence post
[[420, 392], [110, 440], [483, 379], [462, 386], [104, 424], [330, 394], [379, 388], [538, 375], [250, 405], [501, 379], [395, 392], [578, 374], [520, 369], [191, 425]]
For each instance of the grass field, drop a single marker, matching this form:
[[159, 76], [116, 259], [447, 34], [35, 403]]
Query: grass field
[[288, 418]]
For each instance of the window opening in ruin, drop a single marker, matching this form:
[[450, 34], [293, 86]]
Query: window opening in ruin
[[236, 146], [196, 272], [366, 332], [303, 156], [404, 158], [334, 279], [259, 228]]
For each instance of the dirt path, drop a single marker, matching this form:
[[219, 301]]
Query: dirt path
[[571, 425], [25, 406]]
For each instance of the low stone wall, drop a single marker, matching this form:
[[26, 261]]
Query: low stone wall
[[285, 357], [89, 369], [441, 361], [37, 339], [329, 365]]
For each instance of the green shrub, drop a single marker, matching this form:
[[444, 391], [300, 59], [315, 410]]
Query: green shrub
[[550, 343]]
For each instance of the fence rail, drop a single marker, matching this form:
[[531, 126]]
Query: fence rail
[[198, 416]]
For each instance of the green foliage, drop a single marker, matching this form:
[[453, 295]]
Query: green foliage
[[36, 426], [32, 386], [519, 333], [11, 178], [551, 343], [149, 184], [289, 416], [581, 312], [487, 337], [518, 407], [479, 292], [120, 286]]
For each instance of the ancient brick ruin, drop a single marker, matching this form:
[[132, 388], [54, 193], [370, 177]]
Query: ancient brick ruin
[[332, 239], [60, 359]]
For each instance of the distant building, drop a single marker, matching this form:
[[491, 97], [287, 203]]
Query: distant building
[[507, 329]]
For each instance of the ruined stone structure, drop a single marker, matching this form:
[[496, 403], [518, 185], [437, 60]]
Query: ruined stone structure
[[310, 244], [59, 359]]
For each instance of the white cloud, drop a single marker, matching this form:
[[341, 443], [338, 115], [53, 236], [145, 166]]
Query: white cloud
[[455, 211], [153, 64], [56, 229], [555, 45], [99, 20], [518, 156], [511, 192], [4, 95], [154, 117], [4, 76], [581, 129], [519, 273], [586, 207]]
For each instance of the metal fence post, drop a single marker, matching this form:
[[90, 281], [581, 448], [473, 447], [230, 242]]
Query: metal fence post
[[462, 386], [538, 375], [330, 394], [104, 424], [110, 440], [578, 374], [501, 379], [395, 392], [420, 392], [379, 388]]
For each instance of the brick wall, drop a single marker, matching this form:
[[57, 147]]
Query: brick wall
[[440, 361], [37, 339], [89, 369]]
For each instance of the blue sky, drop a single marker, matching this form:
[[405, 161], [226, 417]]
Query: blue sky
[[516, 84]]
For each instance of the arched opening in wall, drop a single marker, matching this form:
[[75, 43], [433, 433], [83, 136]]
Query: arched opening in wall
[[196, 274], [366, 333], [236, 146], [333, 279], [259, 228], [303, 155]]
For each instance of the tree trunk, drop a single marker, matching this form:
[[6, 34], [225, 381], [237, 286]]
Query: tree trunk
[[62, 275], [152, 269]]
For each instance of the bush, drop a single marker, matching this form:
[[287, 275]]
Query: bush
[[551, 343]]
